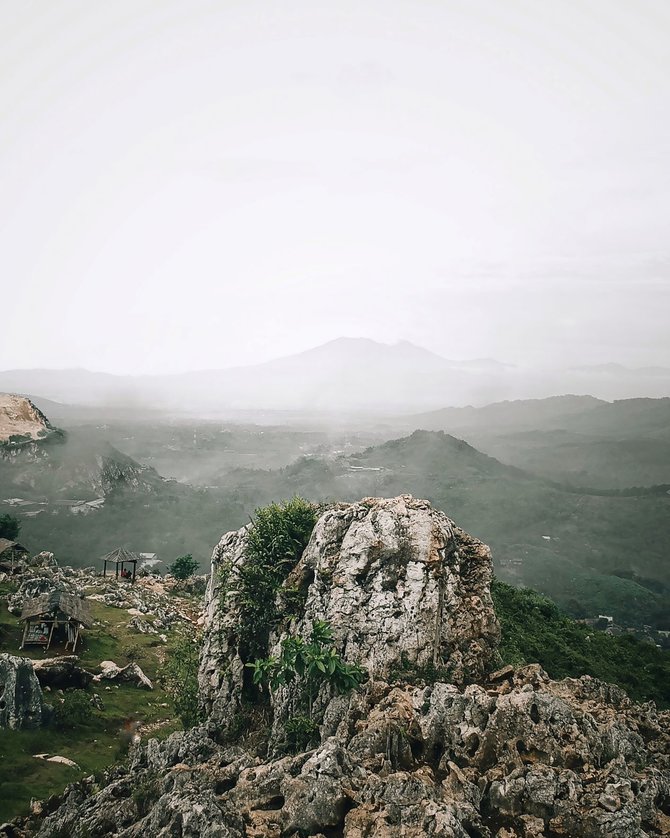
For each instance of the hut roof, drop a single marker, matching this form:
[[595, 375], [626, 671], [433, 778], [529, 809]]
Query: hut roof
[[121, 555], [69, 604], [6, 544]]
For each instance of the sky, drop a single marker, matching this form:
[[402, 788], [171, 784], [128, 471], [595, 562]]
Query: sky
[[194, 184]]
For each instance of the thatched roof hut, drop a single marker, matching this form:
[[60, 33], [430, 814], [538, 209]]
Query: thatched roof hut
[[70, 606], [54, 610]]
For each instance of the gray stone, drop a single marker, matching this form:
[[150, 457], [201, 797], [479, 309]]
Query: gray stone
[[20, 693]]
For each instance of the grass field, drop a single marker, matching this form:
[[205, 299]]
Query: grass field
[[97, 743]]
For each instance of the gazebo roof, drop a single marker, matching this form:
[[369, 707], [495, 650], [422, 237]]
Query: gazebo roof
[[56, 600], [6, 544], [121, 555]]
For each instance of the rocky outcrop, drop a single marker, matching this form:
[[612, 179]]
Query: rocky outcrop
[[519, 758], [20, 693], [400, 585], [432, 744], [20, 420]]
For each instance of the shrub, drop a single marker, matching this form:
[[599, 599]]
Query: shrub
[[277, 538], [73, 711], [9, 527], [179, 676], [311, 663], [183, 567], [300, 733]]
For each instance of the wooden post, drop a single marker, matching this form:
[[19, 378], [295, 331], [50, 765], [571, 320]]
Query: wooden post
[[134, 570], [104, 568], [53, 626], [25, 632], [117, 569], [76, 638]]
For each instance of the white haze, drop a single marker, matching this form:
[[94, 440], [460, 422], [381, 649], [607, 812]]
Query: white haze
[[197, 185]]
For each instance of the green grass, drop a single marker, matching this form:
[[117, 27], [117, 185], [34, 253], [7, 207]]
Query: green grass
[[96, 744]]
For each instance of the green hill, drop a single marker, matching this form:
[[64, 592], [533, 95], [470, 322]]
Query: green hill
[[535, 631]]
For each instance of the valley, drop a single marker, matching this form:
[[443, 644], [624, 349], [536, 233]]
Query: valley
[[572, 493]]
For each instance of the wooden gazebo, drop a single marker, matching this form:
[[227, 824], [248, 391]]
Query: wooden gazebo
[[54, 614], [120, 558]]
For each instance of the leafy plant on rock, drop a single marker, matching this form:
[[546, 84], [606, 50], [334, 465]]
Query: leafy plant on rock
[[312, 663], [276, 540]]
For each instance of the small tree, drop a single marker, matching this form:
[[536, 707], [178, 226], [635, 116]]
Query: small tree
[[183, 567], [9, 527]]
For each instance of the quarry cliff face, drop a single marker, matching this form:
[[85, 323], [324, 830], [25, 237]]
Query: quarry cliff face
[[434, 742], [19, 418]]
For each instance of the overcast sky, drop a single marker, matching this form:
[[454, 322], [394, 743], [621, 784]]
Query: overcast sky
[[201, 184]]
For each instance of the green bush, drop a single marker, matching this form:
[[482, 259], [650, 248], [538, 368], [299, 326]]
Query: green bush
[[73, 711], [534, 630], [183, 567], [300, 733], [179, 676], [9, 527], [310, 663], [277, 538]]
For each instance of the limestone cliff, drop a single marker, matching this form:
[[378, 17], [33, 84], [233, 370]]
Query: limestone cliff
[[21, 420], [433, 743]]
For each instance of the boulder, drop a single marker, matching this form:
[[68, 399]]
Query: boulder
[[20, 693], [62, 673], [130, 674], [399, 583]]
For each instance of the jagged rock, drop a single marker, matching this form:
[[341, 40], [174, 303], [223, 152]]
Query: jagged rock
[[43, 559], [511, 755], [130, 674], [62, 673], [399, 583], [142, 626], [20, 693]]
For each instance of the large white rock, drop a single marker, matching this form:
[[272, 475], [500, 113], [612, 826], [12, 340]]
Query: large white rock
[[399, 583]]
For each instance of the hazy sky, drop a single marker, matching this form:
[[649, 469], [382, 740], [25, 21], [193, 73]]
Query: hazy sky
[[200, 184]]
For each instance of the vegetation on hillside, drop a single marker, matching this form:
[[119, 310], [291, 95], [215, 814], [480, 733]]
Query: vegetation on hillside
[[534, 630], [9, 527], [179, 676], [80, 730], [277, 538], [183, 566]]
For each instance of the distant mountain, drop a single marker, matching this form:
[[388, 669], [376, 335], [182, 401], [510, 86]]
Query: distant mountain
[[348, 374], [343, 375], [519, 414]]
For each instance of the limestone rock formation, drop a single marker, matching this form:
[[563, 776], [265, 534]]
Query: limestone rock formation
[[20, 419], [433, 744], [20, 693], [399, 583]]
